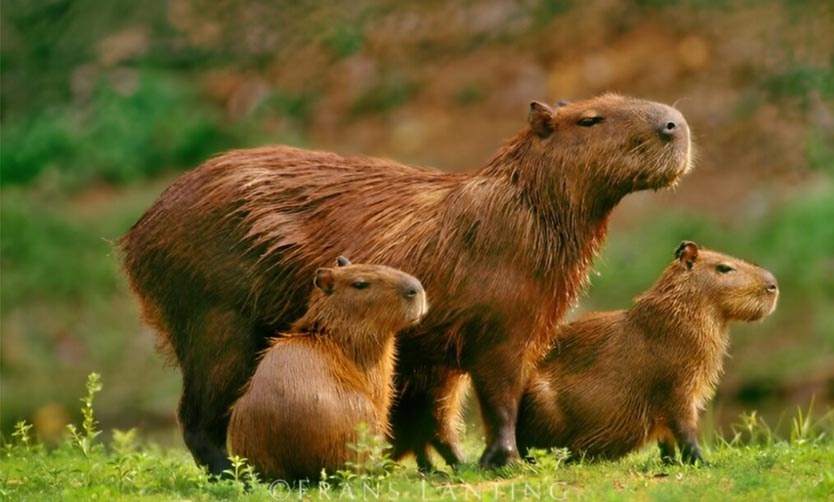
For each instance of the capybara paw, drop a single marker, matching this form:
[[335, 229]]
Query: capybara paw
[[694, 458], [668, 460], [497, 456]]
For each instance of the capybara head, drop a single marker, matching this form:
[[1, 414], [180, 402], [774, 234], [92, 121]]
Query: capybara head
[[733, 289], [372, 296], [617, 143]]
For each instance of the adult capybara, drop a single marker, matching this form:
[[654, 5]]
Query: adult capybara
[[220, 260], [617, 380], [333, 371]]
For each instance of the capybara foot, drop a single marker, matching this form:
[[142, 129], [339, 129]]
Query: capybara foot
[[497, 455]]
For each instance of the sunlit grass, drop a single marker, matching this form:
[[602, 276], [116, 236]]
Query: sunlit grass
[[753, 465]]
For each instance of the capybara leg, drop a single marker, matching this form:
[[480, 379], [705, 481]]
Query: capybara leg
[[450, 451], [667, 451], [412, 424], [687, 439], [428, 413], [448, 398], [498, 385], [423, 459], [206, 439], [220, 360]]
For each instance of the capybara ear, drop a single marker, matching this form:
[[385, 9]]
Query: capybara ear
[[324, 280], [687, 253], [562, 102], [342, 261], [540, 118]]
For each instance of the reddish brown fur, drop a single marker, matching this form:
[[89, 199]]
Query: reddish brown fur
[[331, 372], [617, 380], [219, 261]]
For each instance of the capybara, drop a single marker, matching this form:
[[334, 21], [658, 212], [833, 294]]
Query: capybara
[[219, 261], [614, 381], [333, 371]]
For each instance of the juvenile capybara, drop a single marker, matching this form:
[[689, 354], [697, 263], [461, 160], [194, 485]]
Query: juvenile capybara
[[220, 260], [614, 381], [331, 372]]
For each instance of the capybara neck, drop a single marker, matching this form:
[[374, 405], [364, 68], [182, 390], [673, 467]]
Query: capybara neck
[[365, 344]]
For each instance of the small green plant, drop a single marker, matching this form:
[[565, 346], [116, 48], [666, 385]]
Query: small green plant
[[373, 462], [124, 442], [751, 429], [84, 441], [241, 475], [21, 433], [546, 460]]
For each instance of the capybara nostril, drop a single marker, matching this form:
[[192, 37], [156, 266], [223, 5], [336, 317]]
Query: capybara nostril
[[411, 288], [771, 286], [668, 129]]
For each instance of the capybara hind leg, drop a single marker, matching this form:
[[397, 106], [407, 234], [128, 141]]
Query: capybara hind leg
[[667, 451], [686, 435], [498, 384], [448, 402], [423, 458], [206, 439], [216, 369], [426, 413], [450, 451]]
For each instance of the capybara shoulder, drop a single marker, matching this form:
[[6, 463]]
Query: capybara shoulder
[[617, 380], [332, 372]]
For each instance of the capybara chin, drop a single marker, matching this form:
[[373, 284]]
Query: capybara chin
[[617, 380], [333, 371], [220, 261]]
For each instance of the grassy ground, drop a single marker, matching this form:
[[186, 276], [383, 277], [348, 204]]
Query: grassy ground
[[753, 465]]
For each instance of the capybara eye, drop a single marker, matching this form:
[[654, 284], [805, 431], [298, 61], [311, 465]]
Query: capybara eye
[[723, 268], [361, 284], [590, 121]]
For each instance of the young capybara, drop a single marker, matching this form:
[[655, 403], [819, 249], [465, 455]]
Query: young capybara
[[617, 380], [333, 371], [219, 261]]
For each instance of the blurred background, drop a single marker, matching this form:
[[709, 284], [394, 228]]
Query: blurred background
[[103, 104]]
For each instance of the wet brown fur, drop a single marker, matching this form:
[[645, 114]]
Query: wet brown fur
[[333, 371], [220, 260], [617, 380]]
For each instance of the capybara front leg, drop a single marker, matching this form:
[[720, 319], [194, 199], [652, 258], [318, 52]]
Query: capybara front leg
[[498, 385]]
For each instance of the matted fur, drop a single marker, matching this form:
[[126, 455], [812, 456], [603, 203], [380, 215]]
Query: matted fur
[[220, 260]]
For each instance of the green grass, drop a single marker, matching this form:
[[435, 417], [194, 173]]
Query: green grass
[[754, 465]]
